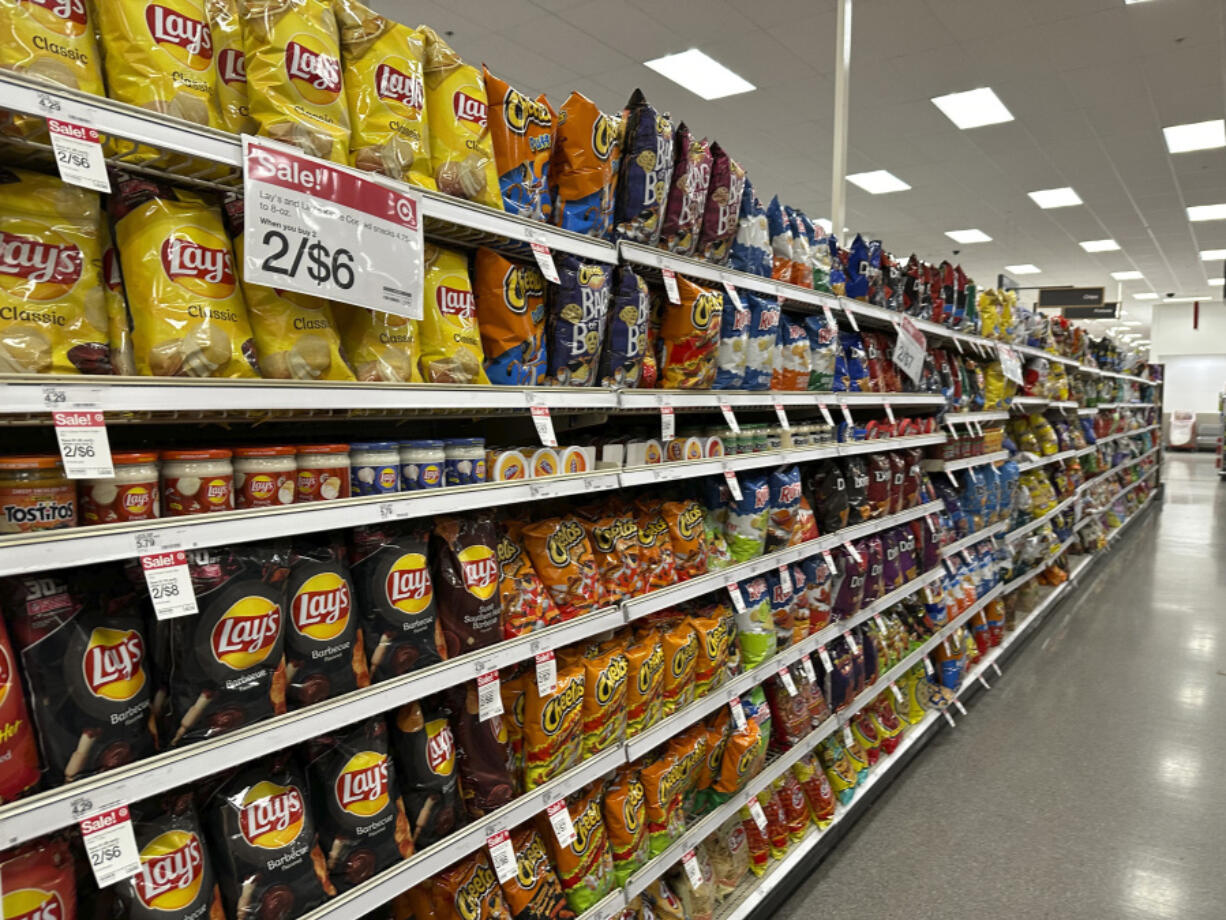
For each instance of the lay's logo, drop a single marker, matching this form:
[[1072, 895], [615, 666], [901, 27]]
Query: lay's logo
[[519, 111], [171, 871], [247, 633], [137, 500], [361, 788], [187, 38], [440, 748], [398, 86], [272, 816], [470, 108], [479, 566], [68, 10], [320, 608], [196, 265], [33, 904], [408, 584], [42, 263], [314, 73], [456, 302], [232, 67], [113, 663]]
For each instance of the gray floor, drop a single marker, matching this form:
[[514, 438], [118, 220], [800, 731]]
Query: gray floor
[[1088, 783]]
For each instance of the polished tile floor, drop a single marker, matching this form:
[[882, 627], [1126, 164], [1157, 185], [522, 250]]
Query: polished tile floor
[[1090, 782]]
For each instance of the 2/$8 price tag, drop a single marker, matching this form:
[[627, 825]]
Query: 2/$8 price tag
[[489, 696], [668, 423], [110, 845], [318, 228], [546, 674], [84, 447], [670, 285], [78, 155], [502, 854], [909, 349], [563, 826], [170, 584]]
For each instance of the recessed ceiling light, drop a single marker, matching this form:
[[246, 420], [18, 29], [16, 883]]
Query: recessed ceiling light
[[1207, 212], [1150, 295], [1026, 269], [1217, 281], [974, 108], [1127, 276], [1200, 135], [1099, 245], [1055, 197], [1182, 299], [878, 182], [700, 74], [1132, 322], [968, 236], [1212, 255]]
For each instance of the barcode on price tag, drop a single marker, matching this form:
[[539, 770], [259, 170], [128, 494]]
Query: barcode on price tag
[[170, 584], [758, 815], [670, 285], [489, 695], [544, 425], [825, 657], [826, 413], [110, 845], [909, 349], [729, 418], [563, 826], [732, 294], [738, 713], [78, 155], [546, 673], [502, 854], [806, 665], [734, 486], [84, 448], [668, 423], [785, 677], [544, 261], [692, 870], [782, 415]]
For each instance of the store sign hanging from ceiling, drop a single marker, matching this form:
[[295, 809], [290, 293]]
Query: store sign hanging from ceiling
[[1109, 310], [1070, 297], [317, 228]]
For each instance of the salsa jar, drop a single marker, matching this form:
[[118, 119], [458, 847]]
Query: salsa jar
[[197, 481], [35, 494], [323, 472], [131, 495], [264, 477]]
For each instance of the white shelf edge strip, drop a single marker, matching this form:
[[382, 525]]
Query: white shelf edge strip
[[952, 466], [977, 537], [1024, 529]]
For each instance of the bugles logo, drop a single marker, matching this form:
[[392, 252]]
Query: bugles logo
[[171, 871], [440, 747], [604, 136], [470, 108], [247, 633], [198, 261], [314, 73], [612, 679], [186, 38], [320, 607], [49, 269], [706, 306], [32, 904], [520, 284], [361, 788], [480, 570], [398, 86], [272, 816], [519, 111], [232, 66], [113, 664], [455, 302], [408, 584]]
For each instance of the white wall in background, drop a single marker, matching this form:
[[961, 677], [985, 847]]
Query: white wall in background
[[1193, 382], [1172, 333]]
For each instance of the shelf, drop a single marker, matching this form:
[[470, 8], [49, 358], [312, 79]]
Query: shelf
[[1019, 532], [1054, 458], [977, 537], [629, 400], [1127, 405], [1089, 484], [950, 466], [1093, 512], [991, 415]]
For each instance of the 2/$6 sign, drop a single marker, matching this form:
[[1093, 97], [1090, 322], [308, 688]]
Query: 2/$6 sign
[[318, 228]]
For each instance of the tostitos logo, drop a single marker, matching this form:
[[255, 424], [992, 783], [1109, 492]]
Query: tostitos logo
[[171, 871], [440, 748], [272, 816], [41, 264], [64, 17], [247, 633], [320, 607], [113, 664], [408, 584], [521, 284], [604, 136], [33, 904], [397, 85], [519, 111], [184, 37], [479, 565], [455, 302], [199, 261], [470, 109], [312, 71], [232, 67], [361, 788]]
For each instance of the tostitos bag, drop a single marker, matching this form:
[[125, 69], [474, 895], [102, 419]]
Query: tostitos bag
[[189, 318], [382, 346], [161, 57], [522, 131], [450, 341], [689, 338], [385, 93], [583, 174], [461, 151], [295, 88], [511, 317]]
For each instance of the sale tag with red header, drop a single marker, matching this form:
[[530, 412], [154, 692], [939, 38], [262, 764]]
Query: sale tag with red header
[[670, 285], [544, 261], [78, 155], [84, 448], [489, 696], [110, 845], [170, 584]]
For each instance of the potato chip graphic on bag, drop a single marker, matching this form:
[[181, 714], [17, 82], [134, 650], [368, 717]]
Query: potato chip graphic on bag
[[53, 311], [457, 107], [231, 67], [386, 94], [450, 340], [522, 132], [379, 346], [189, 318], [587, 149], [160, 55], [295, 86]]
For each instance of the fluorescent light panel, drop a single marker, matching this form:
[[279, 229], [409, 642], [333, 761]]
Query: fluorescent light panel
[[1217, 281], [1207, 212], [968, 236], [974, 108], [1183, 299], [1150, 295], [1132, 322], [1212, 255], [1099, 245], [1127, 276], [1047, 198], [1200, 135], [878, 182], [1026, 269], [700, 74]]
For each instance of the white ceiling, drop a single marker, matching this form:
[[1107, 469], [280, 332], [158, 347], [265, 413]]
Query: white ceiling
[[1091, 84]]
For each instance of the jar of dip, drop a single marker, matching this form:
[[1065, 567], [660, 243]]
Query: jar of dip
[[35, 495], [421, 465], [323, 472], [197, 481], [264, 476], [132, 495], [465, 461], [374, 468]]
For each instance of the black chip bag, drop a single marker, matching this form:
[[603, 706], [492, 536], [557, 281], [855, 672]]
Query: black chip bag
[[646, 167], [578, 308], [464, 551], [396, 599], [830, 499], [426, 760], [722, 209], [264, 844], [325, 655], [855, 474], [483, 754], [621, 359], [86, 652], [363, 828]]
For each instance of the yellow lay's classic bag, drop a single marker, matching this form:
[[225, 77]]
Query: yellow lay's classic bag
[[159, 55], [53, 316], [294, 83], [52, 41], [188, 314], [380, 346], [231, 67], [461, 150], [450, 339], [387, 98]]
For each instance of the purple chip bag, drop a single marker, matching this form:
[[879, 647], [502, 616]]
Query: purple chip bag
[[848, 583], [720, 214], [687, 193], [904, 539], [891, 572], [646, 167], [621, 359], [874, 563]]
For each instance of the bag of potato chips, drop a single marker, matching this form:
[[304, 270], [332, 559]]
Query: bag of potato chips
[[161, 57], [689, 338], [562, 555], [687, 193], [231, 67], [461, 151], [386, 93], [604, 701], [719, 219], [585, 868], [553, 725], [644, 682], [625, 346], [625, 820], [381, 346], [584, 170], [53, 309], [522, 131], [511, 316], [295, 88], [119, 323], [450, 341]]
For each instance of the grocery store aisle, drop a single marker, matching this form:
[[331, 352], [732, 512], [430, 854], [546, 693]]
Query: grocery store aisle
[[1087, 783]]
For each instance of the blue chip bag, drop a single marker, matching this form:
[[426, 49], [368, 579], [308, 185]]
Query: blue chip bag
[[733, 346], [578, 308], [857, 269], [510, 300], [621, 359], [751, 250], [785, 495], [851, 363], [823, 348], [779, 226], [764, 318], [646, 167]]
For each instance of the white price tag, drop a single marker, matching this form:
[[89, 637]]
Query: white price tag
[[544, 261], [692, 870], [930, 520], [668, 423], [544, 425], [78, 155], [502, 854], [948, 718], [170, 584], [847, 417], [967, 556], [729, 418], [958, 345], [945, 645], [489, 696], [670, 285], [1010, 363], [848, 740], [830, 321], [996, 668], [546, 673], [897, 692], [758, 815], [889, 413], [318, 228], [853, 552], [909, 349], [949, 423], [738, 714], [961, 709], [928, 667], [563, 826], [829, 560], [983, 680], [738, 601], [785, 677], [826, 413], [782, 414], [825, 657], [880, 622], [785, 578], [733, 295], [851, 316], [734, 486], [851, 642], [952, 479], [806, 665], [110, 845], [84, 447]]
